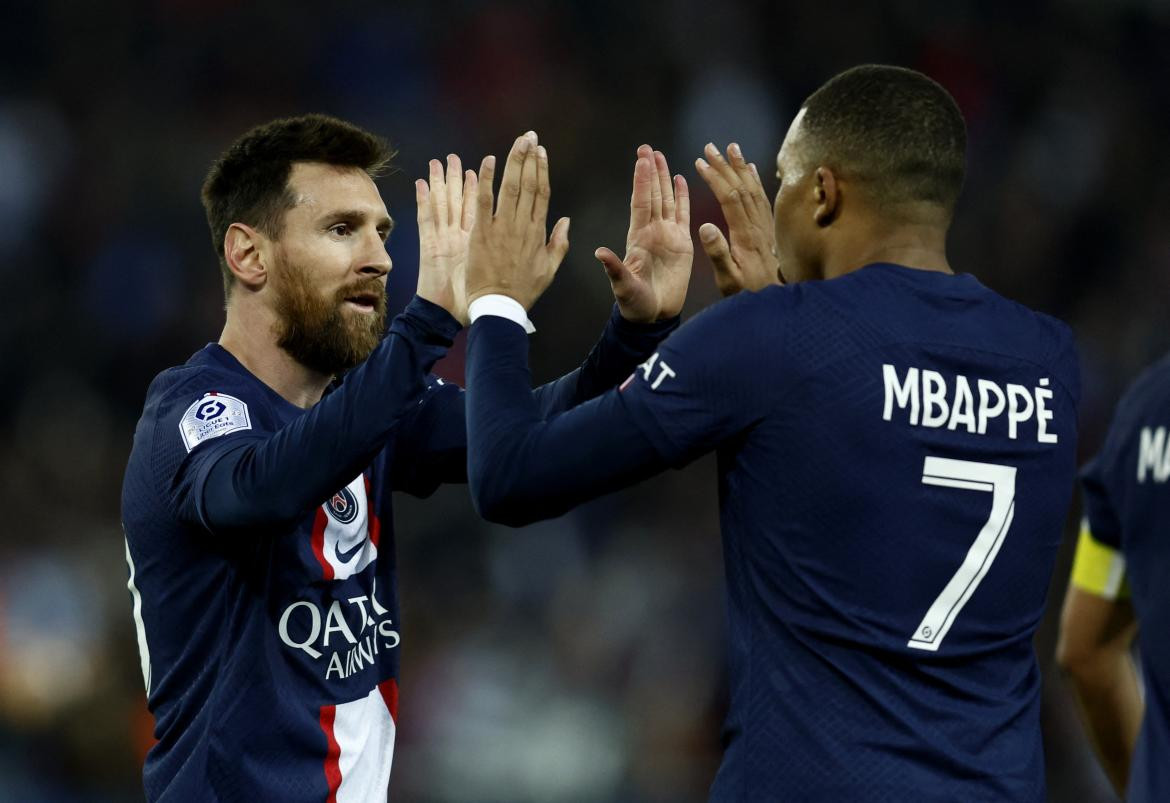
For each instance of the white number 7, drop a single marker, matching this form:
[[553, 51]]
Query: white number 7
[[970, 476]]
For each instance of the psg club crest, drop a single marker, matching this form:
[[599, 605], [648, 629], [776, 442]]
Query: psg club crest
[[342, 506]]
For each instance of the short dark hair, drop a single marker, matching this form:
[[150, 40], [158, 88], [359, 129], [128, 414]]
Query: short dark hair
[[249, 182], [894, 129]]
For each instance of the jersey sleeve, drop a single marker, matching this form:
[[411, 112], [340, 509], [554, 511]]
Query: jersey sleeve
[[271, 480], [204, 416], [523, 469], [432, 447], [707, 382]]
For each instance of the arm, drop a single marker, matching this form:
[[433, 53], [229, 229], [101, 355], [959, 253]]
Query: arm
[[250, 482], [523, 468], [1097, 628], [431, 448]]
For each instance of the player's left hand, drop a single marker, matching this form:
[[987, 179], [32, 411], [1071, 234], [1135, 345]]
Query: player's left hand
[[650, 283], [445, 220]]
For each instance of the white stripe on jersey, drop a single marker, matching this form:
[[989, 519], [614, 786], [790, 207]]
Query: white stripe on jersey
[[365, 732], [139, 625]]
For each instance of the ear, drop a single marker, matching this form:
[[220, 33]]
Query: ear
[[827, 196], [243, 249]]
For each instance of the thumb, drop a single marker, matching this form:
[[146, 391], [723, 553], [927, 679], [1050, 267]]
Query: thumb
[[727, 274], [558, 243], [615, 269]]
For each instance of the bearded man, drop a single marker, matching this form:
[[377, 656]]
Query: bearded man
[[257, 499]]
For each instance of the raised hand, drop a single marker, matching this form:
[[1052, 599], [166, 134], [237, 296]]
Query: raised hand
[[749, 263], [509, 253], [650, 283], [446, 213]]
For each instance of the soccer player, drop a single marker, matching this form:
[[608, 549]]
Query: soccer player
[[1120, 577], [257, 499], [895, 453]]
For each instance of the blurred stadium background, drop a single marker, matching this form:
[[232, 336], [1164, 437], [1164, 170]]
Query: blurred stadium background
[[581, 659]]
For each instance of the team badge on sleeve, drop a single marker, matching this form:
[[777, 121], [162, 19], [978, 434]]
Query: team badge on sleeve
[[214, 415]]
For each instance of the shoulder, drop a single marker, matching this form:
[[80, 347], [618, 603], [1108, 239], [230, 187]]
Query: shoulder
[[1040, 338], [1149, 392], [1145, 404], [201, 401]]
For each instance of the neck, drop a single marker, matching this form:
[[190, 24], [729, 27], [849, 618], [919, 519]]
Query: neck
[[913, 245], [249, 335]]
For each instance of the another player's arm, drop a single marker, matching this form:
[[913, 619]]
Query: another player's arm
[[523, 466], [1097, 628], [749, 262]]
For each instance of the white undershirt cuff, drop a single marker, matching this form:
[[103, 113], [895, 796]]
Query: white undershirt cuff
[[502, 307]]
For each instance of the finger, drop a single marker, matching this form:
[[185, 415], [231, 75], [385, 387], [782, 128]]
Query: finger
[[756, 203], [454, 189], [513, 168], [655, 188], [729, 197], [664, 188], [529, 184], [423, 200], [756, 190], [487, 173], [728, 276], [640, 203], [543, 191], [719, 163], [438, 190], [470, 186], [682, 197], [558, 243]]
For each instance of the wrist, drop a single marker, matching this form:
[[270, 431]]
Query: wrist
[[502, 306]]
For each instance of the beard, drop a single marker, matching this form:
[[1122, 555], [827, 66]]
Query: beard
[[317, 332]]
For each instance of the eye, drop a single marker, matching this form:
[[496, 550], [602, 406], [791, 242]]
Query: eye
[[341, 229]]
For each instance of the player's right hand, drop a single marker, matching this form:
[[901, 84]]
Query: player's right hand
[[446, 213], [509, 253], [749, 262]]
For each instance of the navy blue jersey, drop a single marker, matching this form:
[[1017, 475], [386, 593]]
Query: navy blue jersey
[[261, 551], [1127, 507], [896, 456]]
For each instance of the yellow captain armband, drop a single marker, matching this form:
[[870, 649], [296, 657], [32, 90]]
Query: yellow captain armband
[[1097, 568]]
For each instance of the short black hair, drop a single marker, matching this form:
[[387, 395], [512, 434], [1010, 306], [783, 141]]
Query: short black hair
[[893, 129], [249, 182]]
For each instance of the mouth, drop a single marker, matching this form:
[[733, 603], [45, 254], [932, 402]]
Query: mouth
[[366, 303]]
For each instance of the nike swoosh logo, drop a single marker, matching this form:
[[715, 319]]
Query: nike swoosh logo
[[347, 556]]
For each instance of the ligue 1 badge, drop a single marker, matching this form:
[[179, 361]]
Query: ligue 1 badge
[[211, 416]]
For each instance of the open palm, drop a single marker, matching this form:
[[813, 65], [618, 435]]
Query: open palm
[[650, 283]]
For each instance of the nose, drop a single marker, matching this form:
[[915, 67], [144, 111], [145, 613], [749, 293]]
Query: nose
[[376, 260]]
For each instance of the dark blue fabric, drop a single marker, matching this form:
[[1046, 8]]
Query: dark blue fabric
[[835, 548], [1127, 502], [226, 544]]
